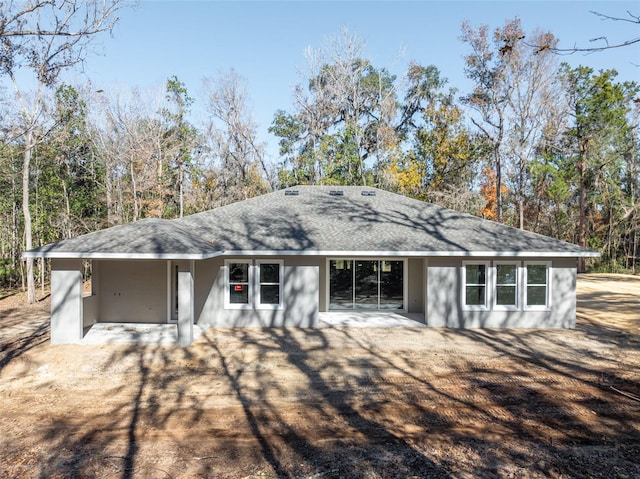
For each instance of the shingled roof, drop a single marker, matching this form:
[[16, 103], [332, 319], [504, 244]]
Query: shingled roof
[[315, 220], [149, 238]]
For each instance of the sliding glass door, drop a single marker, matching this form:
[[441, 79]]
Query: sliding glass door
[[341, 284], [366, 284], [391, 284]]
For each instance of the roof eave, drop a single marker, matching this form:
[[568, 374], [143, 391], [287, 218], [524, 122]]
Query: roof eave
[[344, 253], [383, 253], [100, 255]]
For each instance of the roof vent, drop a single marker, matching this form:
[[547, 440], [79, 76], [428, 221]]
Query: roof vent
[[368, 193], [291, 192], [336, 193]]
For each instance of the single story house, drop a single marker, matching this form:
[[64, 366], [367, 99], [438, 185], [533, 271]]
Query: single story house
[[284, 258]]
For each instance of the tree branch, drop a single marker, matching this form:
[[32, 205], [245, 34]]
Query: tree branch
[[634, 19]]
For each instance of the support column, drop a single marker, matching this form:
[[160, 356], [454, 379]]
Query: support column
[[66, 301], [425, 289], [185, 304]]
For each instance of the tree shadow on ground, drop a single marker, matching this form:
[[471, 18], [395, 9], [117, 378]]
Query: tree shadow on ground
[[330, 433], [288, 402], [20, 332]]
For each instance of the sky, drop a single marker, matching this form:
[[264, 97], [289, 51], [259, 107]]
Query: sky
[[264, 41]]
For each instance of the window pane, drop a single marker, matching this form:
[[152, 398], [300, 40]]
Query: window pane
[[536, 295], [506, 295], [474, 296], [391, 284], [506, 273], [269, 294], [269, 272], [537, 274], [239, 293], [340, 284], [239, 272], [476, 273], [367, 284]]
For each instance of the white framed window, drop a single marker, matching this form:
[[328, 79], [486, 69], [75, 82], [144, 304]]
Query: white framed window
[[269, 284], [537, 285], [476, 287], [507, 285], [238, 279], [250, 285]]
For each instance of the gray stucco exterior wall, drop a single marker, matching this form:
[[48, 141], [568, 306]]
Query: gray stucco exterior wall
[[444, 298], [301, 279], [140, 292], [133, 291]]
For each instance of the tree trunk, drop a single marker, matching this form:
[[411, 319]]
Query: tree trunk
[[135, 193], [42, 275], [181, 178], [521, 188], [496, 154], [634, 252], [521, 211], [31, 287], [15, 247], [108, 186], [582, 219], [67, 205]]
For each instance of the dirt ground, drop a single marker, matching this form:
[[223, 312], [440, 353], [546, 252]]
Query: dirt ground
[[330, 403]]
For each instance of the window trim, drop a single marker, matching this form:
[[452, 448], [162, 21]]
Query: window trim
[[525, 282], [253, 284], [257, 284], [518, 285], [227, 283], [405, 283], [488, 296]]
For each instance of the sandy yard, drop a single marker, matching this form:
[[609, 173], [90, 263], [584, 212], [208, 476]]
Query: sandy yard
[[330, 403]]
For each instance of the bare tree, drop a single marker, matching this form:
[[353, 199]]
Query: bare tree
[[486, 66], [242, 170], [137, 148], [45, 37], [515, 102], [534, 107]]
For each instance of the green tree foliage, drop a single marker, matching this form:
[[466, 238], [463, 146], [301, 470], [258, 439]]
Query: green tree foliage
[[180, 140], [11, 225], [41, 40], [595, 144], [345, 121], [348, 121], [74, 176], [443, 162]]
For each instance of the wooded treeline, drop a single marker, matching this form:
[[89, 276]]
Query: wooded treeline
[[535, 144]]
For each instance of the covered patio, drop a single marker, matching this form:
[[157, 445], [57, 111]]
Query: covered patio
[[167, 334]]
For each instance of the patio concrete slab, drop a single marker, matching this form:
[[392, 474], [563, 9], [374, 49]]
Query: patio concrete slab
[[167, 334], [370, 319], [135, 333]]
